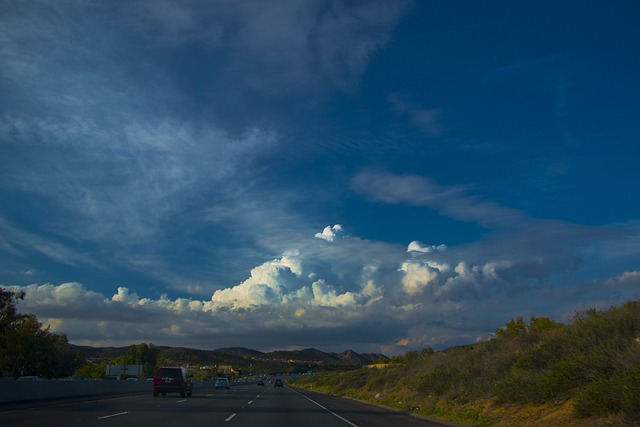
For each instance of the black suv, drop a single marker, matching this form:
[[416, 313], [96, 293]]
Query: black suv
[[278, 383], [172, 380]]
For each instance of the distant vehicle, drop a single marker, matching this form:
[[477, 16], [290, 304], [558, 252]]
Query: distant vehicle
[[172, 380], [260, 382], [29, 378], [222, 383], [278, 383]]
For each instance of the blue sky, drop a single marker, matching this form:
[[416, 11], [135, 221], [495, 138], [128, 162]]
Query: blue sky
[[380, 176]]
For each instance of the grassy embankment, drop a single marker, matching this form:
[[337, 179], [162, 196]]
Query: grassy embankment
[[586, 373]]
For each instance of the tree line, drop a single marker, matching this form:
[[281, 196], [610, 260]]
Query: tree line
[[27, 347]]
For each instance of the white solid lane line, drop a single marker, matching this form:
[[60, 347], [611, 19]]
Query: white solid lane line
[[326, 409], [113, 415]]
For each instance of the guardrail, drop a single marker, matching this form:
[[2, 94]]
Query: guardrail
[[22, 391]]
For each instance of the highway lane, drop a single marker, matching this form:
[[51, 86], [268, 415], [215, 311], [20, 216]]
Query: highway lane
[[242, 406], [294, 407]]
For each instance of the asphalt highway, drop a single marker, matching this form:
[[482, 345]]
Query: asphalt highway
[[242, 406]]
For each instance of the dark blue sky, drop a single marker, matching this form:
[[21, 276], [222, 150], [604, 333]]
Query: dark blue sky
[[288, 174]]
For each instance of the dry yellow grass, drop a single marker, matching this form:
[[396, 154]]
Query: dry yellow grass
[[558, 414]]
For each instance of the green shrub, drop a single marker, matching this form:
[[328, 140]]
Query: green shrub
[[631, 393], [563, 377], [520, 386], [598, 399]]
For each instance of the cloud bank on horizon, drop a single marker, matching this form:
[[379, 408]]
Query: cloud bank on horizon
[[381, 176]]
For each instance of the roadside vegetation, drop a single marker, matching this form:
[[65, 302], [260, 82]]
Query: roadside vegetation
[[540, 373], [28, 348], [142, 354]]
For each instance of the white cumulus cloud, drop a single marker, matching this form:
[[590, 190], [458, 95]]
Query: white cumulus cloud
[[330, 233], [416, 246], [434, 298]]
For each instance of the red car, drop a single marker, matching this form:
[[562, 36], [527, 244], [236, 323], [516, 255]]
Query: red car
[[172, 380]]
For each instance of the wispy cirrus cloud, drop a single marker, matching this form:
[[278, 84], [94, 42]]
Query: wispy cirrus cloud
[[284, 47], [16, 240], [118, 147], [453, 201], [426, 119]]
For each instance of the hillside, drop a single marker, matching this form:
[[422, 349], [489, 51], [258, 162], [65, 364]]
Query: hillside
[[315, 357], [353, 358], [242, 359], [240, 351], [540, 373]]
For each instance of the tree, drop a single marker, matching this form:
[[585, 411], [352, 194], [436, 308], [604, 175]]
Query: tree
[[8, 313], [90, 370], [147, 355], [142, 354], [427, 351], [543, 324], [27, 347], [9, 322], [517, 326], [512, 328]]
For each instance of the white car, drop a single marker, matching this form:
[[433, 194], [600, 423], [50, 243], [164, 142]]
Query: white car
[[222, 383], [29, 378]]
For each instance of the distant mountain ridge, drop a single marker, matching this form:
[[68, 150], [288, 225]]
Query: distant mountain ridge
[[315, 356], [243, 358], [240, 351]]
